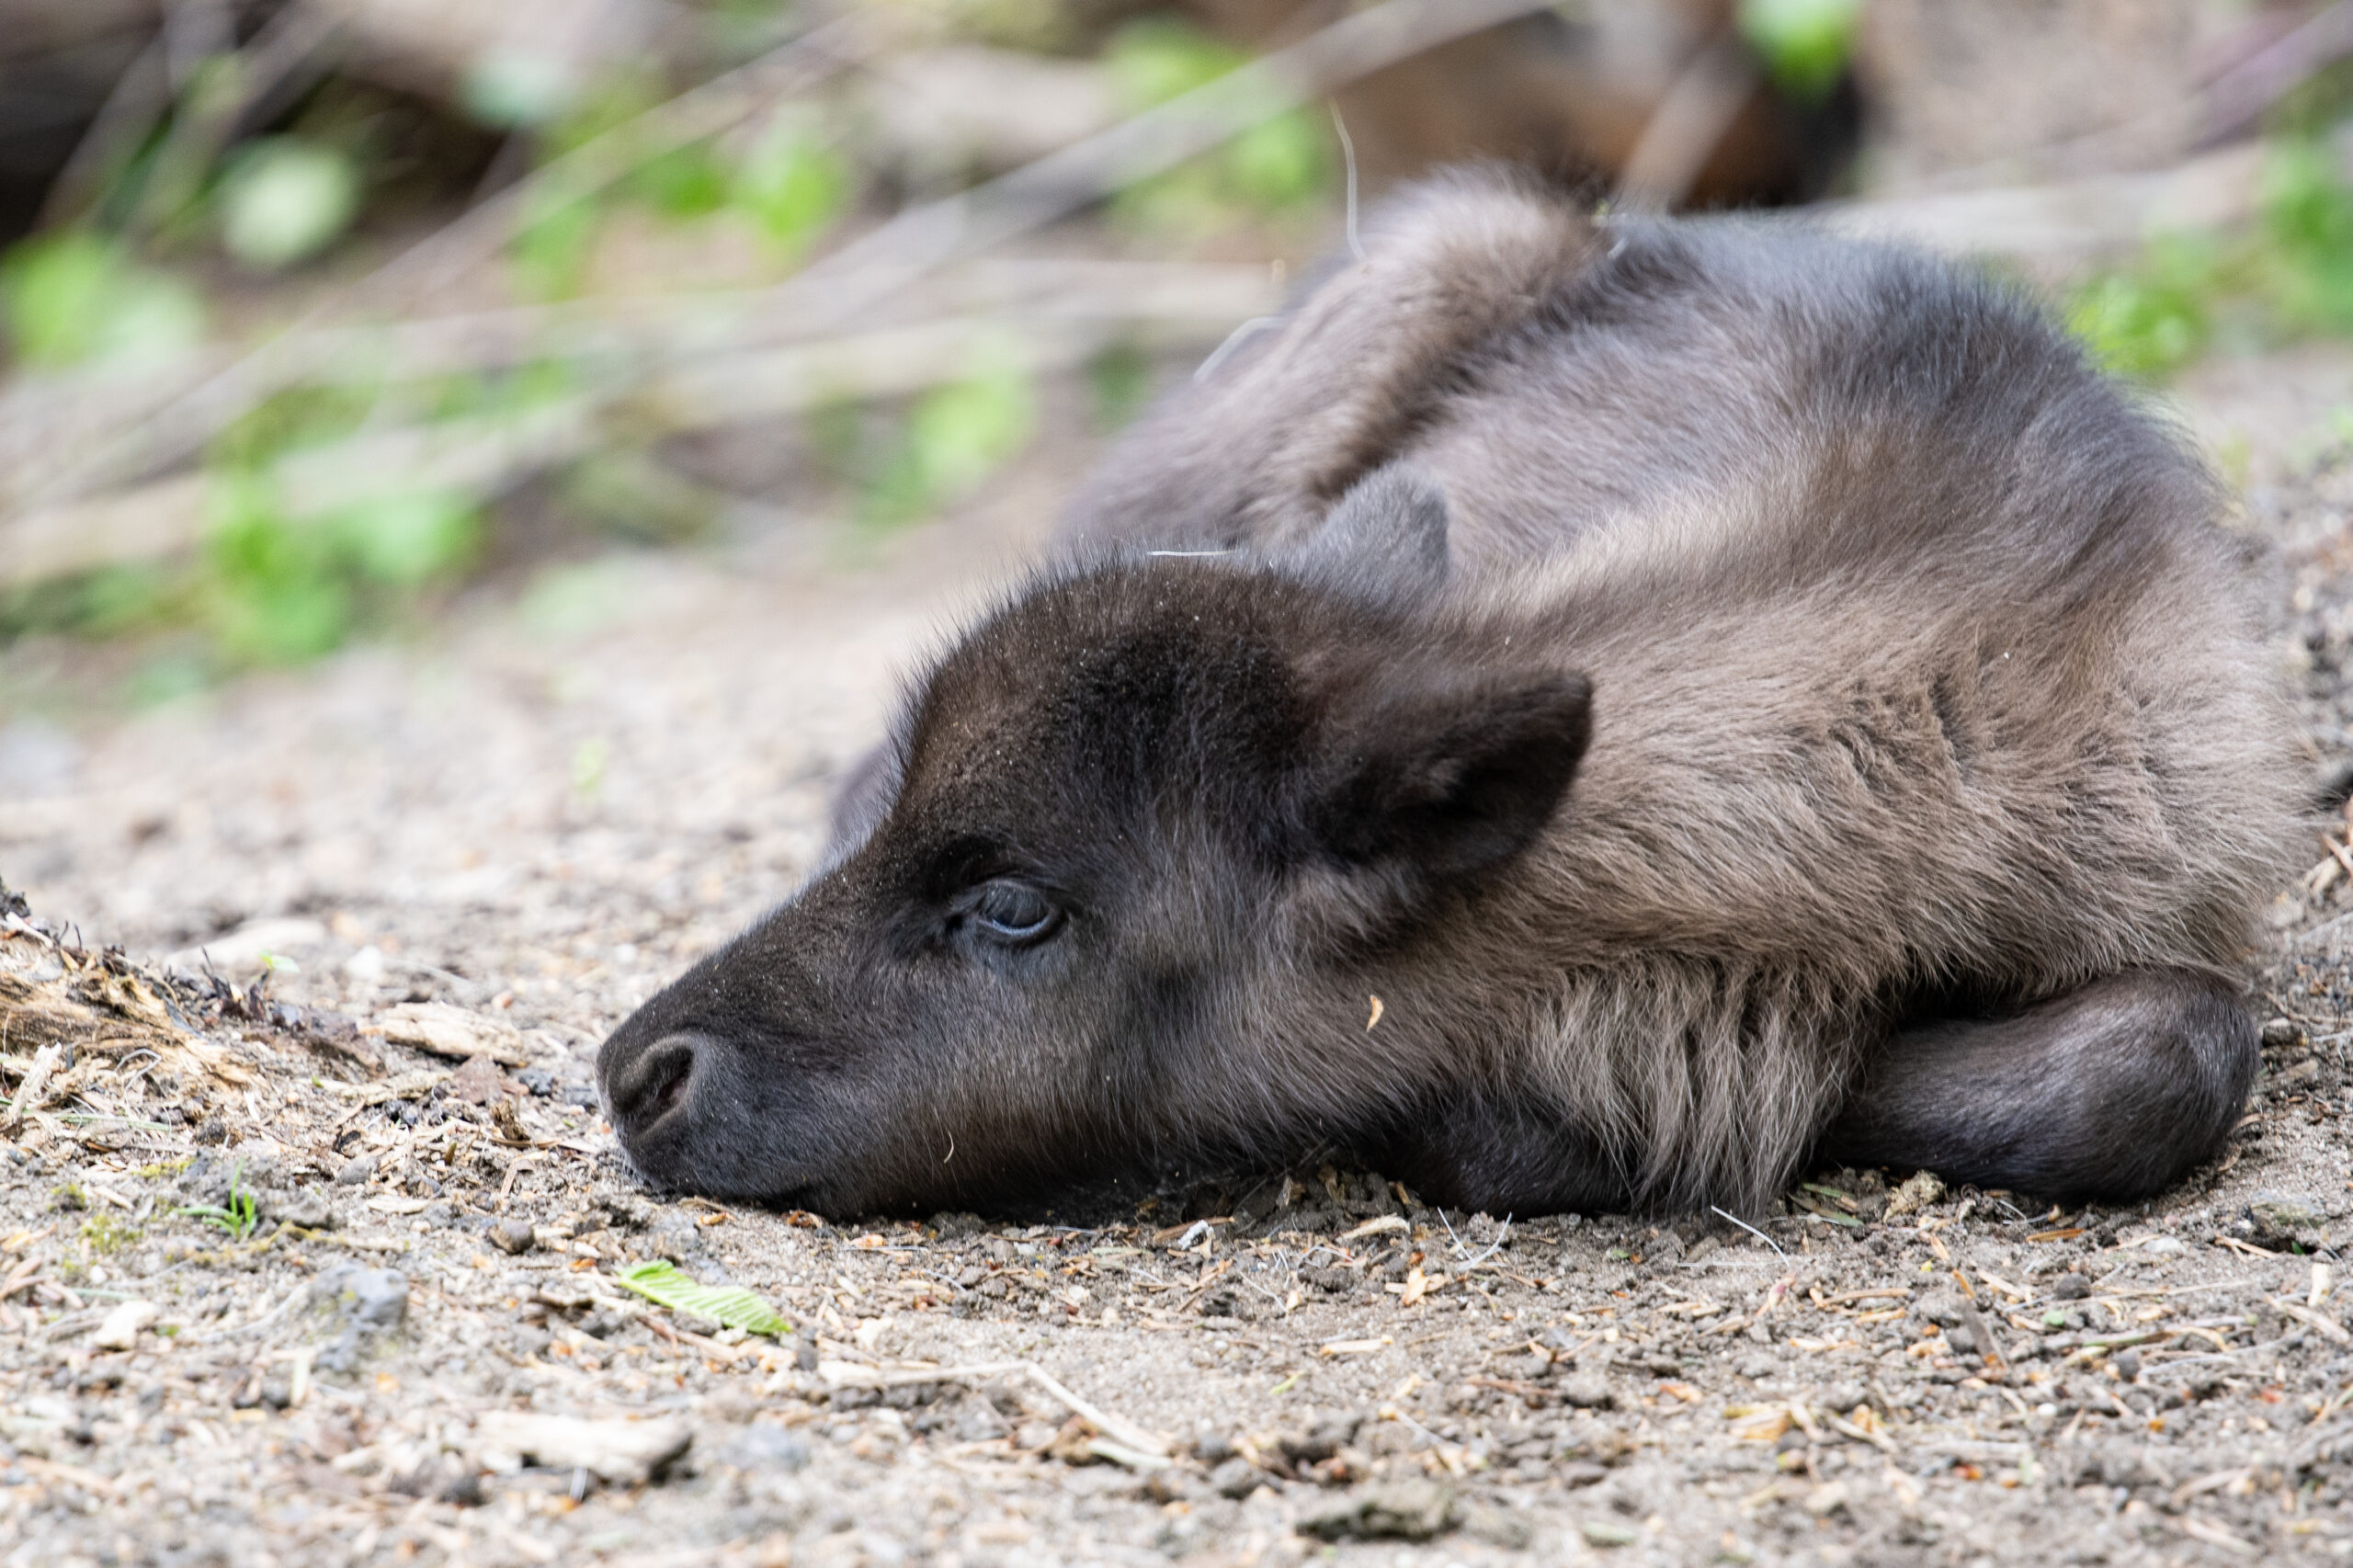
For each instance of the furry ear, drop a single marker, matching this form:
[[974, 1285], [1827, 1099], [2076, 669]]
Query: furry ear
[[1440, 785], [1386, 537]]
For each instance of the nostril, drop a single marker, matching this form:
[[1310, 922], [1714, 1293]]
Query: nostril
[[659, 1083]]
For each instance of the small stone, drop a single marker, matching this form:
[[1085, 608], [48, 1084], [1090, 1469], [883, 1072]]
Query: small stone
[[1397, 1510], [2294, 1076], [440, 1029], [2281, 1033], [1942, 1308], [357, 1171], [619, 1452], [1606, 1533], [1321, 1439], [478, 1080], [461, 1486], [121, 1327], [1235, 1478], [1033, 1435], [1587, 1390], [512, 1236], [1496, 1527], [307, 1209], [2279, 1219], [1171, 1485], [977, 1422], [763, 1445], [2070, 1287], [371, 1297]]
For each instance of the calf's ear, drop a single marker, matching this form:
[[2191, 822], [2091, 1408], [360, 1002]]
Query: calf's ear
[[1440, 784]]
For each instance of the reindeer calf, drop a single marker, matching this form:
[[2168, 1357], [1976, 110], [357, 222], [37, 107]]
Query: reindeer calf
[[1582, 714]]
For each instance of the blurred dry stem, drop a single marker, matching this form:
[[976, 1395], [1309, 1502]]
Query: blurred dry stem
[[1690, 121], [93, 466], [1032, 317], [2076, 220], [127, 431], [2236, 102], [166, 419]]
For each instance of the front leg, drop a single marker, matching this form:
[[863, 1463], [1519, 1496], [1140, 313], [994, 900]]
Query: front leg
[[1501, 1154]]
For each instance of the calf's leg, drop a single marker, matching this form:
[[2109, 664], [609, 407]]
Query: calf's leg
[[2111, 1091], [1502, 1155]]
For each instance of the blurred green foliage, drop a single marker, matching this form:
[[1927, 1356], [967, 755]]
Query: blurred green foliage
[[513, 90], [284, 575], [552, 246], [2290, 274], [76, 297], [104, 603], [1118, 380], [792, 186], [284, 199], [278, 587], [788, 184], [952, 439], [1279, 166], [1804, 43]]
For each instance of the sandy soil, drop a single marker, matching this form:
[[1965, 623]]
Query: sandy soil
[[536, 813]]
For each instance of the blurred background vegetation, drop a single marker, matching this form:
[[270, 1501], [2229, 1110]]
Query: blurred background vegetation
[[318, 313]]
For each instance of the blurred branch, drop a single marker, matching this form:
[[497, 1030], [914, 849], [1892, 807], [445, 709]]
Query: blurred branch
[[176, 417], [2236, 102], [2232, 104], [1032, 317], [842, 285], [2076, 220], [719, 105], [646, 329], [1065, 182], [219, 95], [134, 104], [1689, 124]]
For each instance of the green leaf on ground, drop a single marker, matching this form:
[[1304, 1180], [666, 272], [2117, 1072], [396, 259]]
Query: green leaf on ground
[[662, 1283]]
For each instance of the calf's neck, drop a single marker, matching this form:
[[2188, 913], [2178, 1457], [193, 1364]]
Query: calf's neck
[[1576, 713]]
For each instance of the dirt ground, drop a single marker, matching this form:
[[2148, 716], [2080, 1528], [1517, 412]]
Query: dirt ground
[[401, 1335]]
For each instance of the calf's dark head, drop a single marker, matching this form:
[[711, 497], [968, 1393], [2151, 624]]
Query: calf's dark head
[[1138, 839]]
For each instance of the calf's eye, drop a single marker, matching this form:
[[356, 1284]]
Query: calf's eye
[[1014, 912]]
